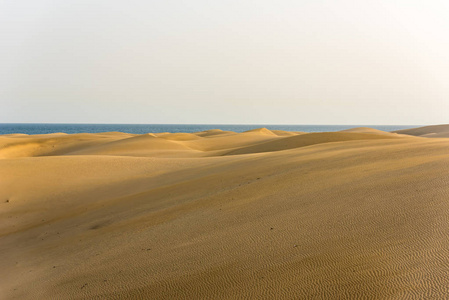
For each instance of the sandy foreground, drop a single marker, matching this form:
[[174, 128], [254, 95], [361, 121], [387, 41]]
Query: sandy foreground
[[221, 215]]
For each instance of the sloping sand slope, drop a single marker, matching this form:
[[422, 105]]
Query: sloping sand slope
[[367, 130], [322, 215], [306, 140], [142, 145], [52, 144], [435, 131]]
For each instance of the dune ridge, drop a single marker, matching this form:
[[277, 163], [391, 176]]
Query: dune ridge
[[262, 214], [434, 131]]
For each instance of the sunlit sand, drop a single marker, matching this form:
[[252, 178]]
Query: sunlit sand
[[218, 215]]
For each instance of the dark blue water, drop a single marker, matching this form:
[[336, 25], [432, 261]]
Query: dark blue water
[[28, 128]]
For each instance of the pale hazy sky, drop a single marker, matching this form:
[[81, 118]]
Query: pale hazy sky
[[239, 62]]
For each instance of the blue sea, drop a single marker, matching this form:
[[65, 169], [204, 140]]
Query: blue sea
[[42, 128]]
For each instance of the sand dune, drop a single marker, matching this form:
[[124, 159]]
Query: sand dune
[[367, 130], [213, 132], [335, 215], [286, 133], [141, 145], [51, 144], [435, 131], [179, 136], [260, 131], [305, 140], [229, 141]]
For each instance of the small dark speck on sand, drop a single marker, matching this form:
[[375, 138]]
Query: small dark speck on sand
[[271, 228], [84, 286], [7, 201]]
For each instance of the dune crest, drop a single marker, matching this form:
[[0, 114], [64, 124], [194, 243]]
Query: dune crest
[[213, 132], [304, 140], [180, 136], [285, 133], [141, 145], [435, 131], [260, 131], [367, 130]]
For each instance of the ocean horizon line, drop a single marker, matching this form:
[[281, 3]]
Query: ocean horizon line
[[244, 124], [46, 128]]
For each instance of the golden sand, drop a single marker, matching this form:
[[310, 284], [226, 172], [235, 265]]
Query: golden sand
[[222, 215]]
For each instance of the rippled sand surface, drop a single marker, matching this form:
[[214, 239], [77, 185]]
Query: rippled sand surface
[[220, 215]]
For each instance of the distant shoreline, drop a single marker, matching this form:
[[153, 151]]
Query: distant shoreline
[[44, 128]]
